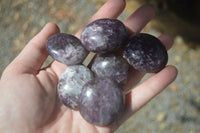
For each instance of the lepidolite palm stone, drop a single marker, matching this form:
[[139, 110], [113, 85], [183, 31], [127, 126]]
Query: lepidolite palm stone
[[101, 101], [70, 84]]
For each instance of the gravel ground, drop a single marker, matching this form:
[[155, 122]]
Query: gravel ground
[[175, 110]]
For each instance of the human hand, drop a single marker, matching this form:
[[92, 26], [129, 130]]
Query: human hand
[[28, 99]]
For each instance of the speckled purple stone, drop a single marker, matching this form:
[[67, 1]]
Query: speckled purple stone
[[66, 49], [101, 101], [111, 65], [104, 35], [70, 84], [146, 53]]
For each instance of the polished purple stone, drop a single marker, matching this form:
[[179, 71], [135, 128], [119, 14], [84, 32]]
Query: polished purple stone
[[70, 84], [146, 53], [111, 65], [104, 35], [101, 101], [66, 49]]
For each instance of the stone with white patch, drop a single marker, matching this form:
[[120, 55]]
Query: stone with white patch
[[70, 84]]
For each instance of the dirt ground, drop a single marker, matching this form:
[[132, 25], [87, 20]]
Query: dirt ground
[[175, 110]]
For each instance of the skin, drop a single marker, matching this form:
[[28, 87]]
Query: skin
[[28, 99]]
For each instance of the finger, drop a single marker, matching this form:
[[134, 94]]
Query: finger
[[134, 75], [143, 93], [138, 19], [111, 9], [150, 88], [34, 54], [167, 40]]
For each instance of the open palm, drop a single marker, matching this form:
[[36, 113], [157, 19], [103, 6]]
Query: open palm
[[28, 99]]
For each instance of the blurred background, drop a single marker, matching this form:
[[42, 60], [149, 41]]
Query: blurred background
[[175, 110]]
